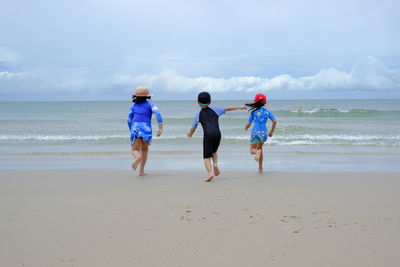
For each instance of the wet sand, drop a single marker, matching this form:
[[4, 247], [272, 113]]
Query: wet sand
[[114, 218]]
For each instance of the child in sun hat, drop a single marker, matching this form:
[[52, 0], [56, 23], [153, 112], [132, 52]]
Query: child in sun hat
[[259, 134], [208, 118], [139, 123]]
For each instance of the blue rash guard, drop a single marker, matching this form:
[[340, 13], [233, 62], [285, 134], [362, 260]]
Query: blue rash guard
[[139, 120], [259, 131], [219, 111]]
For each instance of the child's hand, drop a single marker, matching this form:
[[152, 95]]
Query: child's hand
[[191, 132], [160, 130], [270, 134]]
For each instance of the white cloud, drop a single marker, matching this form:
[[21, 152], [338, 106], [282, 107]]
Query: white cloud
[[367, 75], [198, 37], [41, 82]]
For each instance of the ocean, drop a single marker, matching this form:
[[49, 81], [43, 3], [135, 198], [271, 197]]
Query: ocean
[[311, 135]]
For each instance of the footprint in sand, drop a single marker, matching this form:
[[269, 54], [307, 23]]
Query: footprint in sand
[[224, 196], [291, 218], [186, 218], [189, 216], [318, 212], [254, 215]]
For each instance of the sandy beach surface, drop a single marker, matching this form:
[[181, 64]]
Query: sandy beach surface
[[114, 218]]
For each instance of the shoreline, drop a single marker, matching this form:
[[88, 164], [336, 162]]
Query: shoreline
[[173, 218], [226, 174], [292, 159]]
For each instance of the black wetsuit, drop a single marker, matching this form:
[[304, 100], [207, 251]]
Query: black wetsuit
[[212, 135]]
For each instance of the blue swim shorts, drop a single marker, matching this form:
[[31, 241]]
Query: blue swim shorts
[[256, 139]]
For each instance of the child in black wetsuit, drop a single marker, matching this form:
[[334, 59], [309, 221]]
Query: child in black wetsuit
[[208, 117]]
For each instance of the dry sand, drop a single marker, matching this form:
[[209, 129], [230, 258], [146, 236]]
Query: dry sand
[[113, 218]]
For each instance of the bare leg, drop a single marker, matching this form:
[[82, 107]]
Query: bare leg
[[144, 153], [259, 150], [207, 163], [253, 149], [260, 163], [136, 147], [261, 157], [215, 164]]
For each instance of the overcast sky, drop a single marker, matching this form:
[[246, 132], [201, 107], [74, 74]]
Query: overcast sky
[[101, 50]]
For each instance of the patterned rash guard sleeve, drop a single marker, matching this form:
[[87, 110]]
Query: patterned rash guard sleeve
[[251, 118], [271, 116], [130, 117], [156, 112]]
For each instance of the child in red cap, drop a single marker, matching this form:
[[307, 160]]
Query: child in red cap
[[259, 134]]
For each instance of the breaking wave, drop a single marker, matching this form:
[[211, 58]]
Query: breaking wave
[[280, 140]]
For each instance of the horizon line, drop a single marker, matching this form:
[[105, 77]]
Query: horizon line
[[182, 100]]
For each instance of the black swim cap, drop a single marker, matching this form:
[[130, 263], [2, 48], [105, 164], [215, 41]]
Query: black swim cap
[[204, 98]]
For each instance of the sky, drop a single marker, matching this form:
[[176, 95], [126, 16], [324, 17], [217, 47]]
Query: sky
[[102, 50]]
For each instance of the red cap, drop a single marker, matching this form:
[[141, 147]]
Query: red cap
[[261, 97]]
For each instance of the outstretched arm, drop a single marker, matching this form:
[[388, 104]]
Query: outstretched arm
[[235, 108], [191, 132], [271, 133]]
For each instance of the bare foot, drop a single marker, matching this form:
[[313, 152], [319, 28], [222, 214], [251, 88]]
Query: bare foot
[[142, 174], [136, 163], [209, 178], [257, 156], [216, 171], [260, 170]]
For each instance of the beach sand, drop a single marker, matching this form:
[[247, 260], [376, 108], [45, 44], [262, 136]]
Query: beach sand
[[114, 218]]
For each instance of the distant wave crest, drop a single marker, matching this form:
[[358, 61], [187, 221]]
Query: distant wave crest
[[279, 140], [60, 137], [334, 112]]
